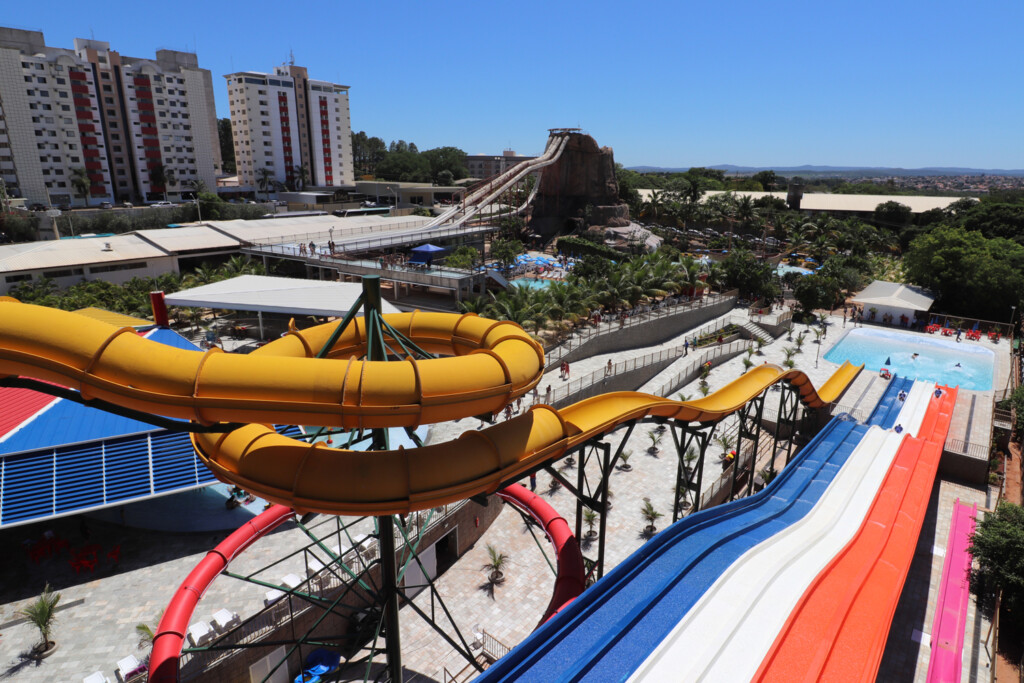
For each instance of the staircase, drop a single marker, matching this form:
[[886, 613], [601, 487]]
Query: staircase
[[756, 331]]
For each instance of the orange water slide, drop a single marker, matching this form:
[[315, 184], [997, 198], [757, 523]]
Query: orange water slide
[[487, 365], [839, 628]]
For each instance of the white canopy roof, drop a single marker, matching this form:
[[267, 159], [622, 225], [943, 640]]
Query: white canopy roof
[[275, 295], [894, 294]]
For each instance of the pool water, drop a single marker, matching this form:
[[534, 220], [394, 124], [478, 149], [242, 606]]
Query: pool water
[[784, 268], [531, 283], [936, 361]]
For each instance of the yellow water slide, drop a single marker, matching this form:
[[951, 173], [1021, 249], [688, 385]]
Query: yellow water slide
[[487, 364]]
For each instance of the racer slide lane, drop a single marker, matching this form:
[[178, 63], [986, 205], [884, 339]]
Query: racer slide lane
[[491, 364], [946, 662], [838, 630], [608, 631], [725, 636]]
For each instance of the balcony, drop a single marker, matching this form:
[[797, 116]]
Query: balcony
[[147, 118], [145, 106], [89, 140], [141, 81], [152, 153], [76, 75], [93, 166], [86, 127], [148, 130], [82, 102], [80, 88], [99, 189], [90, 152]]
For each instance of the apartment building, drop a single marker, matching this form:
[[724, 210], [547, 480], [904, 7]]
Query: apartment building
[[284, 121], [141, 128], [486, 165]]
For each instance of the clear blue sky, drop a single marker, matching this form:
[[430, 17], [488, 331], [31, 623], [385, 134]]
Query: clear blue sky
[[909, 83]]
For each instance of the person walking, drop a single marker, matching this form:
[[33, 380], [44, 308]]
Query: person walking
[[686, 347], [547, 395], [608, 368], [567, 370]]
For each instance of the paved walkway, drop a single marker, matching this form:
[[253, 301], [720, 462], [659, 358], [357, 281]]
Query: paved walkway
[[97, 625]]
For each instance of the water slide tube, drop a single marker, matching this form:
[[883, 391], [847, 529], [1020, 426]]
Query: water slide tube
[[728, 632], [609, 630], [570, 577], [490, 364], [838, 630], [946, 662], [170, 633]]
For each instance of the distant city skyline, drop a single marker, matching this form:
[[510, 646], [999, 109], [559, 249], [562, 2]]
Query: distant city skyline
[[907, 85]]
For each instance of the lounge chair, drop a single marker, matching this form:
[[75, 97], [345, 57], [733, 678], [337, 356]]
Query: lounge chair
[[96, 677], [272, 596], [224, 620], [126, 667], [199, 634]]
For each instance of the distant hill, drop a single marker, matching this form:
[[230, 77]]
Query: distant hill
[[808, 169]]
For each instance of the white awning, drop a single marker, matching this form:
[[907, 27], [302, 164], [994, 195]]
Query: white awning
[[275, 295], [894, 295]]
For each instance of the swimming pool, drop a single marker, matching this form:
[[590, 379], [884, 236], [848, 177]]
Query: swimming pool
[[531, 283], [784, 268], [936, 360]]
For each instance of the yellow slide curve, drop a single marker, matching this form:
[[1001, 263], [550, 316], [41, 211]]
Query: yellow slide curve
[[487, 365]]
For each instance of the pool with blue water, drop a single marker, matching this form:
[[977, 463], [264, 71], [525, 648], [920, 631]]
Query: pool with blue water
[[963, 364]]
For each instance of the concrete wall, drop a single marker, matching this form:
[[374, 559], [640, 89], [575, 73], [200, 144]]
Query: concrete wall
[[651, 333], [965, 468]]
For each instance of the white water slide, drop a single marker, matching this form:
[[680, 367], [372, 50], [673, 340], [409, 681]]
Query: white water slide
[[486, 193]]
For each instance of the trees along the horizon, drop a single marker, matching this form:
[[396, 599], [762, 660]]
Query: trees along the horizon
[[971, 275]]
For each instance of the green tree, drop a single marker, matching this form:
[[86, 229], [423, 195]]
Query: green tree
[[754, 279], [893, 216], [81, 182], [997, 545], [972, 276], [767, 179], [300, 177], [404, 166], [42, 613], [227, 145], [264, 180], [451, 159], [158, 179], [505, 251], [464, 257], [816, 291]]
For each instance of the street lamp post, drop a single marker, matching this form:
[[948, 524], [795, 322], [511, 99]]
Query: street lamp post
[[199, 210]]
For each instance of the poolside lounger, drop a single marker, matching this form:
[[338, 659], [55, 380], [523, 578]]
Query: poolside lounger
[[199, 633], [126, 666], [272, 596], [224, 620], [96, 677]]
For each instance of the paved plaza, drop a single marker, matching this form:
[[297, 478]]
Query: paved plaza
[[96, 626]]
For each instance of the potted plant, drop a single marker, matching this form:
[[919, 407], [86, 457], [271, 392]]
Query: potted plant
[[496, 562], [651, 516], [590, 519], [42, 613], [688, 459], [682, 397], [704, 389], [655, 438], [624, 457], [747, 363], [553, 485], [760, 345]]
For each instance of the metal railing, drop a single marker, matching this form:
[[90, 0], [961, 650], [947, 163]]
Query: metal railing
[[288, 245], [693, 368], [973, 450], [587, 334]]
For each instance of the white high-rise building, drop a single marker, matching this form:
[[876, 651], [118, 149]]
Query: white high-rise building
[[284, 122], [131, 123]]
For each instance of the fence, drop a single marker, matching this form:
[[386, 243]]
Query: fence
[[587, 334], [288, 245], [973, 450], [693, 368]]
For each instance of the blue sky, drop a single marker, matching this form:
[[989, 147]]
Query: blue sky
[[908, 83]]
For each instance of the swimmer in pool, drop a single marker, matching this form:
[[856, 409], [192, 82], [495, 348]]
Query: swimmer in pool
[[957, 365], [914, 357]]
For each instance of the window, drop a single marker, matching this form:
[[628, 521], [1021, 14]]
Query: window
[[19, 278], [41, 79], [74, 160], [65, 107], [28, 79], [61, 81]]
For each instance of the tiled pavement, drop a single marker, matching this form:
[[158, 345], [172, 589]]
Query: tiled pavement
[[97, 626]]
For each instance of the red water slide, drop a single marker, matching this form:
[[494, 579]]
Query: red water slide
[[839, 628], [170, 634], [569, 581]]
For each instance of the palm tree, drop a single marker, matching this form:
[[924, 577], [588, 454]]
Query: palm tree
[[496, 562], [169, 179], [197, 185], [650, 515], [590, 519], [42, 613], [264, 180], [301, 177], [81, 182], [158, 178]]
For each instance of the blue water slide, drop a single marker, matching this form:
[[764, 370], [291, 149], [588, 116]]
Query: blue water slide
[[607, 632], [889, 406]]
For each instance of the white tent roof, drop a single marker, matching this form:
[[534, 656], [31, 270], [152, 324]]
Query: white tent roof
[[275, 295], [894, 294]]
